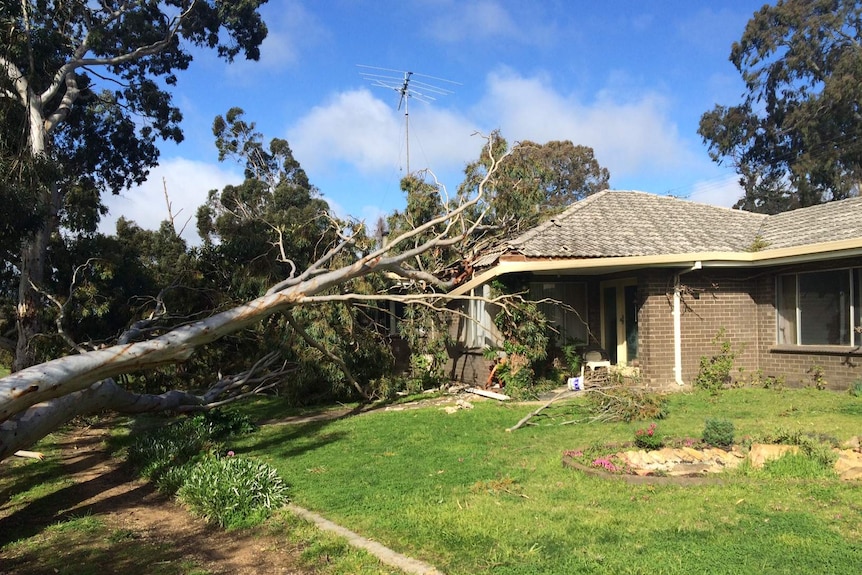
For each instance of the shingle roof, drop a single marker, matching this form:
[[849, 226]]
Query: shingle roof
[[631, 223], [841, 220], [627, 223]]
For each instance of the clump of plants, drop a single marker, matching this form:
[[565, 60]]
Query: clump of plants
[[818, 448], [718, 432], [621, 403], [714, 373], [649, 438], [233, 492], [184, 458], [855, 388]]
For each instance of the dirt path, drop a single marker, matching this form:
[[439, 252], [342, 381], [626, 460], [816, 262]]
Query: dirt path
[[102, 487]]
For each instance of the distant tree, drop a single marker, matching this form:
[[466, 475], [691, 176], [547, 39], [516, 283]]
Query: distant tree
[[84, 89], [536, 181], [794, 139]]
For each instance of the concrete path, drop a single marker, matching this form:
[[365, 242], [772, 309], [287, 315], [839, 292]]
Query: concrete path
[[385, 554]]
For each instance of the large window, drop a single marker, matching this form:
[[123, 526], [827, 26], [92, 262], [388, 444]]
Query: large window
[[569, 316], [479, 321], [820, 308]]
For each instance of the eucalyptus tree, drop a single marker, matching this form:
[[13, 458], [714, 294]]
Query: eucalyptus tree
[[794, 138], [36, 400], [536, 181], [85, 88]]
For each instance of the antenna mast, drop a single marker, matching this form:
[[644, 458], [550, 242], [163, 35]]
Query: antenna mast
[[407, 87]]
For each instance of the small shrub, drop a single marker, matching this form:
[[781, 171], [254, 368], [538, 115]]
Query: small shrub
[[714, 373], [620, 403], [718, 432], [649, 438], [173, 478], [158, 450], [233, 492], [220, 425], [818, 381], [856, 388]]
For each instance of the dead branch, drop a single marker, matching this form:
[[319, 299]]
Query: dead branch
[[536, 412]]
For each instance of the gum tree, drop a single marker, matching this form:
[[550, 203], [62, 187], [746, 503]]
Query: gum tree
[[85, 95], [794, 138]]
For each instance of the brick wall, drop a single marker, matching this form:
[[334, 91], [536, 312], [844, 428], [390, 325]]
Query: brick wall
[[836, 367], [742, 302]]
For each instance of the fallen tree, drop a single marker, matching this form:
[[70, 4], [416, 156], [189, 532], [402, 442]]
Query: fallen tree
[[36, 400]]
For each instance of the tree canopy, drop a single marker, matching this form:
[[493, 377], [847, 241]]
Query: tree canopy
[[536, 181], [794, 138], [85, 96]]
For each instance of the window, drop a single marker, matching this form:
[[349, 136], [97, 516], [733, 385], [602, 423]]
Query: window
[[479, 319], [570, 317], [820, 308]]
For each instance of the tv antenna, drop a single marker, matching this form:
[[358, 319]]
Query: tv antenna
[[408, 85]]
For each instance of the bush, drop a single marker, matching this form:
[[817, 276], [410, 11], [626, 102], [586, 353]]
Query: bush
[[233, 492], [718, 432], [648, 438], [157, 450], [856, 388], [620, 403], [714, 373]]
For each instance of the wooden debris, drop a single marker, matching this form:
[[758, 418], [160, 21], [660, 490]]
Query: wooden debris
[[486, 393]]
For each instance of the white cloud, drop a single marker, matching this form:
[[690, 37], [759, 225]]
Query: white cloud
[[187, 182], [359, 129], [629, 134], [724, 191], [474, 20], [291, 30]]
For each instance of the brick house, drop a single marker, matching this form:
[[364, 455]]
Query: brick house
[[651, 280]]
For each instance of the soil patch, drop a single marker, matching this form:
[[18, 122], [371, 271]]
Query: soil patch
[[102, 487]]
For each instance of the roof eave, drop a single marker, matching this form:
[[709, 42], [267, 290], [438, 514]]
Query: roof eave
[[767, 257]]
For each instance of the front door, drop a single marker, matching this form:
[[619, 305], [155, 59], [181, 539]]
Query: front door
[[620, 320]]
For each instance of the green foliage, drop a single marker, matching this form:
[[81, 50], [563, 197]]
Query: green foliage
[[797, 466], [534, 181], [855, 388], [622, 403], [649, 438], [819, 448], [233, 492], [714, 374], [164, 450], [798, 58], [718, 432], [816, 373]]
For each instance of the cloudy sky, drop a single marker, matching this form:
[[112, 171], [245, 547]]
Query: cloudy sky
[[628, 78]]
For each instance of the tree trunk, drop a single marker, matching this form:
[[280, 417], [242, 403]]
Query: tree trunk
[[34, 253]]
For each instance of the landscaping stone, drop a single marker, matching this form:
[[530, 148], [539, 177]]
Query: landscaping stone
[[761, 453]]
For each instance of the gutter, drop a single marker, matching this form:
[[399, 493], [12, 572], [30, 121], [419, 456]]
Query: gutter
[[677, 322], [780, 256]]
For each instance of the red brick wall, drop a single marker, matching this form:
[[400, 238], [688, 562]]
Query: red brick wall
[[742, 302]]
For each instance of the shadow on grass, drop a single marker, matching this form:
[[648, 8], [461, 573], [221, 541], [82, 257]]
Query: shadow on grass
[[288, 440], [64, 503]]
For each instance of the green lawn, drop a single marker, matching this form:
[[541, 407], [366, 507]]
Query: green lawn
[[461, 493]]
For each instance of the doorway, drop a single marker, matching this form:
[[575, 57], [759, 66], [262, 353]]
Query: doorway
[[620, 320]]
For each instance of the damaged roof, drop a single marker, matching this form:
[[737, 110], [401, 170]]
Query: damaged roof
[[630, 223]]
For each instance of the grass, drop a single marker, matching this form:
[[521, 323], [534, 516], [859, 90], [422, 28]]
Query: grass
[[461, 493], [38, 535]]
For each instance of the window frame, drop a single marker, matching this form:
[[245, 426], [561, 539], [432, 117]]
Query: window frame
[[853, 311]]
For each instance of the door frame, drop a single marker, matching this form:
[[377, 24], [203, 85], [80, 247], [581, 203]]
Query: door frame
[[621, 344]]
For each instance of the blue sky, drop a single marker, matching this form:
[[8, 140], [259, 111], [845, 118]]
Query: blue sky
[[628, 78]]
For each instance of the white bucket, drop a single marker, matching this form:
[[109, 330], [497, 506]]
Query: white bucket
[[576, 383]]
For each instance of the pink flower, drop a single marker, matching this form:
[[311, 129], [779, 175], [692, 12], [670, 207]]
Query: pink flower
[[230, 453]]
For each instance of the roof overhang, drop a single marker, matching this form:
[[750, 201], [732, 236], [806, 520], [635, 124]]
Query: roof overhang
[[605, 265]]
